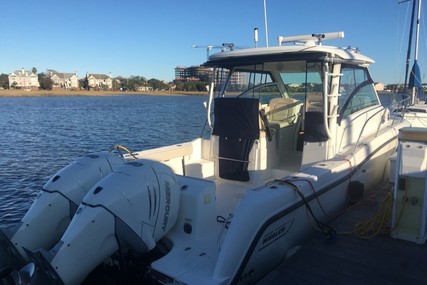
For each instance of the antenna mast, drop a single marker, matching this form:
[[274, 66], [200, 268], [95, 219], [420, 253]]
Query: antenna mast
[[256, 36], [265, 23]]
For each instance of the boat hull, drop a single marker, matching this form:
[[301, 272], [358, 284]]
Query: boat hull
[[272, 220], [326, 195]]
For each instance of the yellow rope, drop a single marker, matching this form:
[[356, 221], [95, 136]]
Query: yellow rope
[[378, 224]]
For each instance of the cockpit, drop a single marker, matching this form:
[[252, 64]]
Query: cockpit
[[300, 101]]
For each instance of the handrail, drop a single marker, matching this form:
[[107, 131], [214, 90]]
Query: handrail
[[404, 103], [326, 95], [326, 103], [384, 109], [209, 107]]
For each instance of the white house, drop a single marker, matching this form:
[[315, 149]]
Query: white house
[[99, 81], [64, 80], [379, 86], [23, 79], [145, 88]]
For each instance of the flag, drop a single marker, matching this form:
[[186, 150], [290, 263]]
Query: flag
[[415, 78]]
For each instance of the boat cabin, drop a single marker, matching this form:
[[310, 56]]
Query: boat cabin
[[278, 110], [287, 107]]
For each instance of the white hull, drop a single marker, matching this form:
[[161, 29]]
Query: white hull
[[269, 221]]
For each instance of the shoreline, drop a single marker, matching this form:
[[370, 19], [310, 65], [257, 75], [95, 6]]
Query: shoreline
[[62, 92]]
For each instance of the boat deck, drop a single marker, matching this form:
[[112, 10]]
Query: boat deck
[[353, 260]]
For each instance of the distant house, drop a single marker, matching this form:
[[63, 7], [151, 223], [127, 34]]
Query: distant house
[[99, 81], [145, 88], [23, 79], [379, 86], [294, 85], [64, 80]]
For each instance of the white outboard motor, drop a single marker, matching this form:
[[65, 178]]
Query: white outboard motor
[[135, 206], [50, 214]]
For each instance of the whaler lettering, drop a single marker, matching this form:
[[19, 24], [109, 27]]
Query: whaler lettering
[[276, 234], [272, 235]]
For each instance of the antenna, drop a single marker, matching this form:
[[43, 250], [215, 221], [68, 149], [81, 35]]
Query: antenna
[[223, 47], [208, 48], [227, 46], [256, 36], [265, 23], [310, 39]]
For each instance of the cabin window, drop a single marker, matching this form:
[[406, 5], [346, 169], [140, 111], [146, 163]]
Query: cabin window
[[356, 89], [300, 79], [303, 81], [252, 84]]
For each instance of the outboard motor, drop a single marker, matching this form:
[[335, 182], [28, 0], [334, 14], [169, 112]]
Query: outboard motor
[[135, 206], [50, 214]]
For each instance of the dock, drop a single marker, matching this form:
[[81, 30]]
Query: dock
[[350, 259]]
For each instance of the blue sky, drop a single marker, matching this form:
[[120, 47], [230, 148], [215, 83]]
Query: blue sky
[[150, 38]]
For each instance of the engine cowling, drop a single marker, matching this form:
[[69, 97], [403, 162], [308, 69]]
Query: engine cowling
[[50, 214], [137, 204]]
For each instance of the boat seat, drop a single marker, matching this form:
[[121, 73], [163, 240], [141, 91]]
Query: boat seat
[[314, 103], [237, 126], [283, 111]]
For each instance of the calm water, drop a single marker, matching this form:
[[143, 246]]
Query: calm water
[[41, 135]]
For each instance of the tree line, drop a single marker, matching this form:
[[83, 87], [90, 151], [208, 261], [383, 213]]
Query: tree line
[[132, 83]]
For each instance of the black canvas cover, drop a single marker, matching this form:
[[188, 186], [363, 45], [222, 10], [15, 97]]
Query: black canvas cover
[[236, 117], [237, 125], [314, 127], [233, 158]]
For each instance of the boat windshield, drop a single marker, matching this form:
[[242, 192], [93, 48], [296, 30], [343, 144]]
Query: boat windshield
[[284, 79], [253, 84], [305, 83], [356, 89]]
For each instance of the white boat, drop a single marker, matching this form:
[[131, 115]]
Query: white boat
[[297, 133], [417, 114], [415, 110]]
